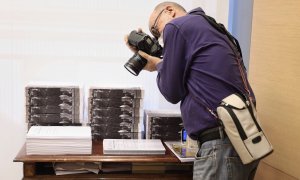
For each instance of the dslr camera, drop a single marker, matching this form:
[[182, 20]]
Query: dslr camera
[[143, 42]]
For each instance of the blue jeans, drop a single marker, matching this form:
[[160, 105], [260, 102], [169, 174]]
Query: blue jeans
[[217, 160]]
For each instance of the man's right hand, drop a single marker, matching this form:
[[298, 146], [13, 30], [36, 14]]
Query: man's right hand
[[152, 61]]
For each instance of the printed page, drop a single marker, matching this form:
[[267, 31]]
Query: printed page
[[133, 146]]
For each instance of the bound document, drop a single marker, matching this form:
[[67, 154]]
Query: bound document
[[133, 146], [58, 140]]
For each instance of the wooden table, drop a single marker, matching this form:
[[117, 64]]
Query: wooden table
[[141, 166]]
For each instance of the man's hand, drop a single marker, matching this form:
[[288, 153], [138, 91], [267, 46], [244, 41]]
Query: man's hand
[[152, 61], [132, 48]]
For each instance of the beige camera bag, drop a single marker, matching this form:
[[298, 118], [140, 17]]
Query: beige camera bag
[[238, 113], [242, 127]]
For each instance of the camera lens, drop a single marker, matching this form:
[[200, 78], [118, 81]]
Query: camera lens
[[144, 42], [135, 64]]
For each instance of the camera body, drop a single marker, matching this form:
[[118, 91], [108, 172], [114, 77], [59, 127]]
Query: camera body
[[143, 42]]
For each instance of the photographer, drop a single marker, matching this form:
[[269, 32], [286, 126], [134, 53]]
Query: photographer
[[198, 65]]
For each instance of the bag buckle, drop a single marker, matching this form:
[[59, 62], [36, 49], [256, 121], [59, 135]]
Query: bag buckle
[[221, 132]]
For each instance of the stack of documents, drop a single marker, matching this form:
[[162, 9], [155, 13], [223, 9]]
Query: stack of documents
[[58, 140], [133, 146], [63, 168]]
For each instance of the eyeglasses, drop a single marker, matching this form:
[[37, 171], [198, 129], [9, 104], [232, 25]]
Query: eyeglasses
[[154, 29]]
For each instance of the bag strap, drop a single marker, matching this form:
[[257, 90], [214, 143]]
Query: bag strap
[[221, 28], [235, 46], [205, 104]]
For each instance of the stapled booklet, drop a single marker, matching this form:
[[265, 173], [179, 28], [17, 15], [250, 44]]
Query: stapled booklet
[[133, 147]]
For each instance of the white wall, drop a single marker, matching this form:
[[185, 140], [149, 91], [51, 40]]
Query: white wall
[[70, 41]]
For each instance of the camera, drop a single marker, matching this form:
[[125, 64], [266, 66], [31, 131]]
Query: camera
[[143, 42]]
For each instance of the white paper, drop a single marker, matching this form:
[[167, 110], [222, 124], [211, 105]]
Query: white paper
[[133, 146], [59, 140], [58, 132]]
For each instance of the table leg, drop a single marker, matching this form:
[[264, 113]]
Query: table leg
[[29, 169]]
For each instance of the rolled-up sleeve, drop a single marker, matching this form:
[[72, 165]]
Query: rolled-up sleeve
[[171, 70]]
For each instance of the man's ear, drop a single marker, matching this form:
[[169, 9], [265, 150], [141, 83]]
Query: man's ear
[[171, 11]]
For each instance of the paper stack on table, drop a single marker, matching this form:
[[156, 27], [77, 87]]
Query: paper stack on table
[[133, 146], [59, 140], [63, 168]]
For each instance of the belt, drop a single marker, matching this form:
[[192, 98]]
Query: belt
[[211, 134]]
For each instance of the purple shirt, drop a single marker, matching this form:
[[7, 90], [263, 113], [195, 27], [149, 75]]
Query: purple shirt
[[198, 64]]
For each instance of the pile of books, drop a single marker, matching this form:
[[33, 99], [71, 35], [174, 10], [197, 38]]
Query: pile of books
[[114, 113], [59, 140], [163, 124], [50, 105]]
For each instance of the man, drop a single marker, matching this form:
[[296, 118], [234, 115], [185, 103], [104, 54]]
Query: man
[[199, 68]]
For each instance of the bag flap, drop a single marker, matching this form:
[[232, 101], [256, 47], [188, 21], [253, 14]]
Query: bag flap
[[235, 101]]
